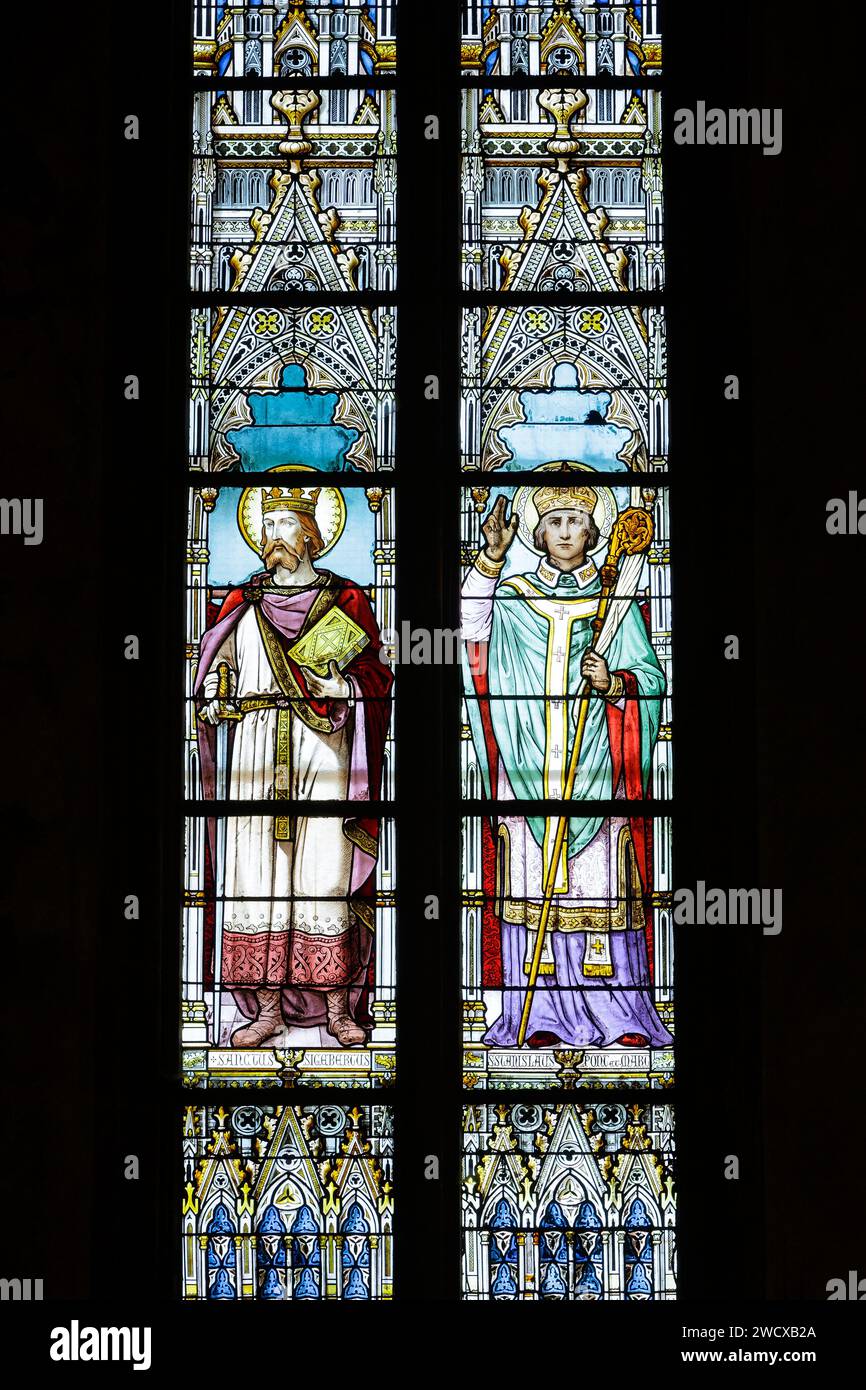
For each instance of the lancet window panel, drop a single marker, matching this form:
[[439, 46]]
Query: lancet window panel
[[562, 190], [332, 38], [293, 678], [561, 38], [527, 623], [284, 1202], [294, 191], [568, 1203], [568, 952], [304, 388], [541, 384], [297, 987]]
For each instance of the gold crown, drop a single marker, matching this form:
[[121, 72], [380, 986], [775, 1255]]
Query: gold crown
[[290, 499], [549, 499]]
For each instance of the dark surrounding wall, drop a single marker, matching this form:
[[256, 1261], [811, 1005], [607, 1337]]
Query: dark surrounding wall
[[763, 282]]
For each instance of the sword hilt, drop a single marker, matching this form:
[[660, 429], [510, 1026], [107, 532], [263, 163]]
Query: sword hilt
[[223, 693], [224, 684], [224, 690]]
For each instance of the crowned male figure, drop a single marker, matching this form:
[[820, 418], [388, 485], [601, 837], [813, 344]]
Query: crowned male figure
[[298, 914], [527, 640]]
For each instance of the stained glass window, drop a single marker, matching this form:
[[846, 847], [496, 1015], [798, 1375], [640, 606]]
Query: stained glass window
[[567, 680], [289, 906], [560, 734]]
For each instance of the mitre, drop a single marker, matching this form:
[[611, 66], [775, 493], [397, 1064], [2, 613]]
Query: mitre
[[572, 497]]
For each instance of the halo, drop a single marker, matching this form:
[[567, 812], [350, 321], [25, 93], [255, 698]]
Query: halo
[[330, 511], [604, 514]]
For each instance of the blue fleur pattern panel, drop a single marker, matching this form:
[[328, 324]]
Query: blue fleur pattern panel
[[288, 1202], [569, 1203]]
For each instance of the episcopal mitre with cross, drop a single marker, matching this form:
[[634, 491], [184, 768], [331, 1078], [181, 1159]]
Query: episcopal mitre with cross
[[294, 705], [564, 705]]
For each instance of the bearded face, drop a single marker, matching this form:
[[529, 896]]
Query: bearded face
[[283, 541]]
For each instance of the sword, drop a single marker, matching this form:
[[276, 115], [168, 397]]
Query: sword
[[221, 791]]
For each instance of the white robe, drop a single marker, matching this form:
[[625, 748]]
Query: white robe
[[274, 887]]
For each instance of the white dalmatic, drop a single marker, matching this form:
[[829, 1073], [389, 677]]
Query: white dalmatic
[[287, 878]]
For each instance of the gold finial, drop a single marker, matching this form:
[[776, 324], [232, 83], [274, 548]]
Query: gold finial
[[562, 104], [480, 497], [296, 106]]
